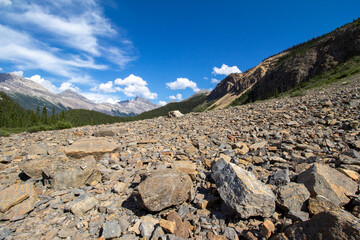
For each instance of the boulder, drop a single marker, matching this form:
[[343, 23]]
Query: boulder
[[326, 225], [326, 181], [280, 177], [292, 196], [90, 146], [10, 199], [175, 114], [241, 191], [70, 177], [34, 168], [164, 188], [104, 133]]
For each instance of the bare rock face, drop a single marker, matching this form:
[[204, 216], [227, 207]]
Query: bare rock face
[[326, 225], [164, 188], [240, 190], [90, 146], [323, 180]]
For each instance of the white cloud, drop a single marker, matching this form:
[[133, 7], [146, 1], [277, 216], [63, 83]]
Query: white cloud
[[134, 86], [28, 53], [215, 81], [68, 85], [205, 78], [225, 70], [182, 83], [100, 98], [45, 83], [5, 3], [177, 97], [1, 69], [162, 103], [18, 73]]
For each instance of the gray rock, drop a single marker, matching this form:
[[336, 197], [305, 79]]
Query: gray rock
[[158, 234], [323, 180], [104, 133], [82, 204], [280, 177], [240, 190], [164, 188], [4, 232], [298, 216], [230, 233], [292, 196], [111, 229], [147, 228]]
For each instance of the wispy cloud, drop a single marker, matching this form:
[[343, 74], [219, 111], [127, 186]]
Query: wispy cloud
[[62, 37], [225, 70], [183, 83]]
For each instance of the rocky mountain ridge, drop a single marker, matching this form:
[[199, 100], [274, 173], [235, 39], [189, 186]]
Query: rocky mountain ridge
[[19, 88], [288, 69], [280, 169]]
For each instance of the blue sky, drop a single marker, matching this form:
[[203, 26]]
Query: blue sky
[[162, 50]]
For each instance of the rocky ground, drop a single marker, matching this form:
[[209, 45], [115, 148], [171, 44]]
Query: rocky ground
[[281, 169]]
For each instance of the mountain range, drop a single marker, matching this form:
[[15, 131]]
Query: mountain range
[[30, 94]]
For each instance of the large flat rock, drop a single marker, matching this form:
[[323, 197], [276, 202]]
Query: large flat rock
[[14, 195], [90, 146], [241, 191], [326, 181]]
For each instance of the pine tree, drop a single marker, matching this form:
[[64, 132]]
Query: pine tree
[[44, 119]]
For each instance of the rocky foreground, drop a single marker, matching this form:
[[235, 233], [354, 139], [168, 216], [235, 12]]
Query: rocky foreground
[[280, 169]]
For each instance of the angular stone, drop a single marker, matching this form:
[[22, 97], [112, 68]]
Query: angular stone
[[18, 211], [280, 177], [298, 216], [326, 181], [164, 188], [34, 168], [326, 225], [181, 229], [14, 195], [321, 204], [258, 145], [175, 114], [241, 191], [111, 229], [90, 146], [82, 204], [72, 177], [292, 196], [168, 226], [351, 174], [104, 133], [267, 228], [147, 226]]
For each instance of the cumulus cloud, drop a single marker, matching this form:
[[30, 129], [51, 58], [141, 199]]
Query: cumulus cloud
[[178, 97], [50, 86], [45, 83], [18, 73], [215, 81], [1, 69], [131, 86], [5, 3], [225, 70], [68, 85], [183, 83], [162, 103]]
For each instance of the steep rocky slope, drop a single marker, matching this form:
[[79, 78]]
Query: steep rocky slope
[[286, 70], [280, 169]]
